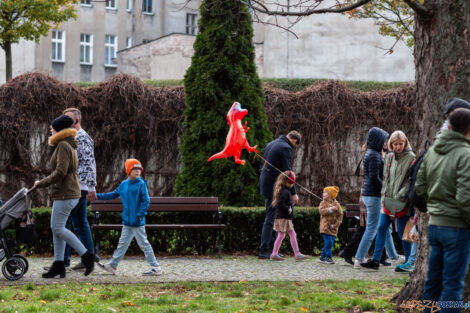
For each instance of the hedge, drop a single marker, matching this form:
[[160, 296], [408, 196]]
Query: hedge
[[242, 233], [290, 84]]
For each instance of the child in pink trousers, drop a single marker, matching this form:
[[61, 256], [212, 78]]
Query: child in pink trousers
[[283, 204]]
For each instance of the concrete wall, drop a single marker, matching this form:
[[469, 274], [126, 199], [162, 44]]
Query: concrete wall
[[336, 47], [23, 59], [166, 58]]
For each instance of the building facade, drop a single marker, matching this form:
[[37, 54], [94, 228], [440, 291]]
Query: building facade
[[85, 48]]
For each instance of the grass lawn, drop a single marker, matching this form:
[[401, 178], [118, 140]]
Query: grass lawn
[[317, 296]]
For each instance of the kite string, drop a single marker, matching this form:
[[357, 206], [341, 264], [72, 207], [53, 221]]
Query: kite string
[[296, 183]]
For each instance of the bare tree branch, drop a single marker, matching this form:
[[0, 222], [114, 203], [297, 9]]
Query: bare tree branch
[[418, 7], [258, 6]]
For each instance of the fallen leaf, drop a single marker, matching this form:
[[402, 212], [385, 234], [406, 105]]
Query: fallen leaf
[[128, 303]]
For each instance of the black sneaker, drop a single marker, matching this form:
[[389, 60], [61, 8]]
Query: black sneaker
[[371, 264], [348, 259], [322, 260], [385, 263], [264, 256]]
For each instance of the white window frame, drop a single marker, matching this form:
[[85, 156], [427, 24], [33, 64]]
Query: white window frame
[[191, 27], [86, 4], [129, 42], [56, 41], [144, 7], [129, 5], [84, 45], [109, 7], [109, 63]]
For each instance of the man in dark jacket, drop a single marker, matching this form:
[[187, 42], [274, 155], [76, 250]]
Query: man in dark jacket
[[443, 180], [278, 153]]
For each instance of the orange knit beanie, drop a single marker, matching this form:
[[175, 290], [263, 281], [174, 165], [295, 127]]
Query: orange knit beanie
[[132, 163]]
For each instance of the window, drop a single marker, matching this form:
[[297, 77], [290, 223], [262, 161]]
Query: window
[[58, 46], [191, 24], [85, 3], [129, 5], [147, 8], [110, 48], [86, 49], [129, 42], [111, 4]]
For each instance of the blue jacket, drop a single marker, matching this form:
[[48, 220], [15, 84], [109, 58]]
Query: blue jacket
[[279, 153], [374, 163], [135, 201]]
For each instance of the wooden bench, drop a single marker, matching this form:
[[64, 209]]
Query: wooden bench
[[352, 210], [163, 204]]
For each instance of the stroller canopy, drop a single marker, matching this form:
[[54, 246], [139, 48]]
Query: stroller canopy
[[14, 208]]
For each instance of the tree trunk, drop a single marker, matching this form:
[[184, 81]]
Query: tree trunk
[[442, 56], [8, 61]]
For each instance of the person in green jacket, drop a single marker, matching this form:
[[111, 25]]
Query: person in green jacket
[[394, 193], [443, 180], [65, 194]]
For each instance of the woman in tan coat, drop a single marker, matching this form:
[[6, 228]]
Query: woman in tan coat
[[331, 216], [65, 194]]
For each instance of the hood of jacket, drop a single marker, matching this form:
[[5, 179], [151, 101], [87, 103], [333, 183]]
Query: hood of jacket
[[376, 138], [449, 140], [454, 104], [67, 134]]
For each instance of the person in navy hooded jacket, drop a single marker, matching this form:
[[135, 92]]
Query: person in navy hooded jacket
[[135, 201], [371, 192]]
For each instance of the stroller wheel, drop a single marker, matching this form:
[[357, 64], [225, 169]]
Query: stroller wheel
[[26, 264], [13, 268]]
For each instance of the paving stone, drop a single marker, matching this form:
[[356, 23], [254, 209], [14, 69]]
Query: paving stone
[[175, 269]]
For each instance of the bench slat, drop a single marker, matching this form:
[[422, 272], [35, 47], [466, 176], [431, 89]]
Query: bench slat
[[170, 200], [163, 226], [117, 207], [352, 214]]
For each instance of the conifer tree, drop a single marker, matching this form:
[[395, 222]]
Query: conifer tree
[[222, 71]]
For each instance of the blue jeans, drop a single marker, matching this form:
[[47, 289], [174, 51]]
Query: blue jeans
[[127, 235], [60, 213], [81, 227], [383, 232], [268, 236], [328, 240], [373, 205], [413, 253], [449, 250]]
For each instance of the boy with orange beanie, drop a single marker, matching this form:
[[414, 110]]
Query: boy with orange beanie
[[135, 201], [331, 216]]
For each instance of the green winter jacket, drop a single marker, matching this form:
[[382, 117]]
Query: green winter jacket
[[396, 179], [64, 163], [444, 180]]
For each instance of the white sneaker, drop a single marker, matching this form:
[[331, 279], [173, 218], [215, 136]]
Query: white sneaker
[[108, 268], [153, 271], [357, 264], [398, 261]]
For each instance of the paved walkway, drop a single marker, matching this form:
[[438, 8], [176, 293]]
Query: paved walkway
[[210, 269]]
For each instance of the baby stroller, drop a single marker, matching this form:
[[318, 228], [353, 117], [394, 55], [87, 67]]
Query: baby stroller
[[16, 208]]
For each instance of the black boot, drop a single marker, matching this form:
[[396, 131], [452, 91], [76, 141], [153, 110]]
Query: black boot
[[57, 268], [88, 259]]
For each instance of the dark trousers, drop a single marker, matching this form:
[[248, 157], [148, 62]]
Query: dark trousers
[[81, 227], [268, 236], [353, 244]]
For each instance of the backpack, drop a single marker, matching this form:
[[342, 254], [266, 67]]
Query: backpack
[[415, 200]]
